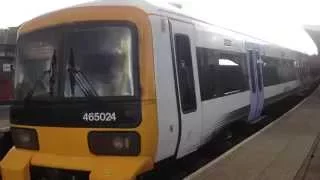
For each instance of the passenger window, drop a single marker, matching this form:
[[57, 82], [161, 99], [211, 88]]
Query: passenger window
[[291, 68], [208, 69], [286, 70], [231, 76], [282, 69], [271, 75], [185, 73], [221, 73]]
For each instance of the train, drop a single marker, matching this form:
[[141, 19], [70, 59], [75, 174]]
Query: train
[[109, 89]]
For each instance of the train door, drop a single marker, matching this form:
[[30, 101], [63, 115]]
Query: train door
[[186, 78], [256, 84]]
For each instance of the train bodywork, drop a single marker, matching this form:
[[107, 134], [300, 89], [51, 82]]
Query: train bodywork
[[189, 80]]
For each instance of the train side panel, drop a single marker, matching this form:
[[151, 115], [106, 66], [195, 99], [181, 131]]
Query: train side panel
[[219, 110], [167, 111], [279, 90]]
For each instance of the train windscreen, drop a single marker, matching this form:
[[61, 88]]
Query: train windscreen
[[77, 61]]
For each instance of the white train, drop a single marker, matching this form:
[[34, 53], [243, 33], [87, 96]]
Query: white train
[[162, 84]]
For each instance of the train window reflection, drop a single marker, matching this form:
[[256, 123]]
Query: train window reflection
[[104, 56], [227, 62]]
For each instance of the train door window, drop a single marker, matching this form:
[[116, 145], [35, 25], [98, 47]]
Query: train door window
[[231, 76], [185, 73]]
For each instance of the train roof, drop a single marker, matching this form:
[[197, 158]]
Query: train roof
[[168, 10], [148, 7]]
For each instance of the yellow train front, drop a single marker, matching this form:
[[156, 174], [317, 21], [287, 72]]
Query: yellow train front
[[86, 97]]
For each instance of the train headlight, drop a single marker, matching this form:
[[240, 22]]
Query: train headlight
[[114, 143], [25, 138]]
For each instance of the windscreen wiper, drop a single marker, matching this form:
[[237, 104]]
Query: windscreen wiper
[[77, 76], [53, 73], [50, 72]]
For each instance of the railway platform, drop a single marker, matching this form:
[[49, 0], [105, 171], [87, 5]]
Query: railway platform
[[286, 149]]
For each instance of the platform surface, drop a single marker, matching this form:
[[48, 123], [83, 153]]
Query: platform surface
[[286, 149]]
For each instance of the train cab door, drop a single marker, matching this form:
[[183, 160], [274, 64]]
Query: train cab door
[[256, 84], [188, 93]]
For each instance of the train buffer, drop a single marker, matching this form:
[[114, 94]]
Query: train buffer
[[286, 149]]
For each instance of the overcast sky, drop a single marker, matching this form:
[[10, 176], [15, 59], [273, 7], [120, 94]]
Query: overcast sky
[[278, 21]]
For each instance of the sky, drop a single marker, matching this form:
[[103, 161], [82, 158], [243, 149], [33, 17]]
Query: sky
[[276, 21]]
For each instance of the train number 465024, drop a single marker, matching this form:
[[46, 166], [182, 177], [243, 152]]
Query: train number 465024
[[100, 116]]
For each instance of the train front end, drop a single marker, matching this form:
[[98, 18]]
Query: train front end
[[86, 104]]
